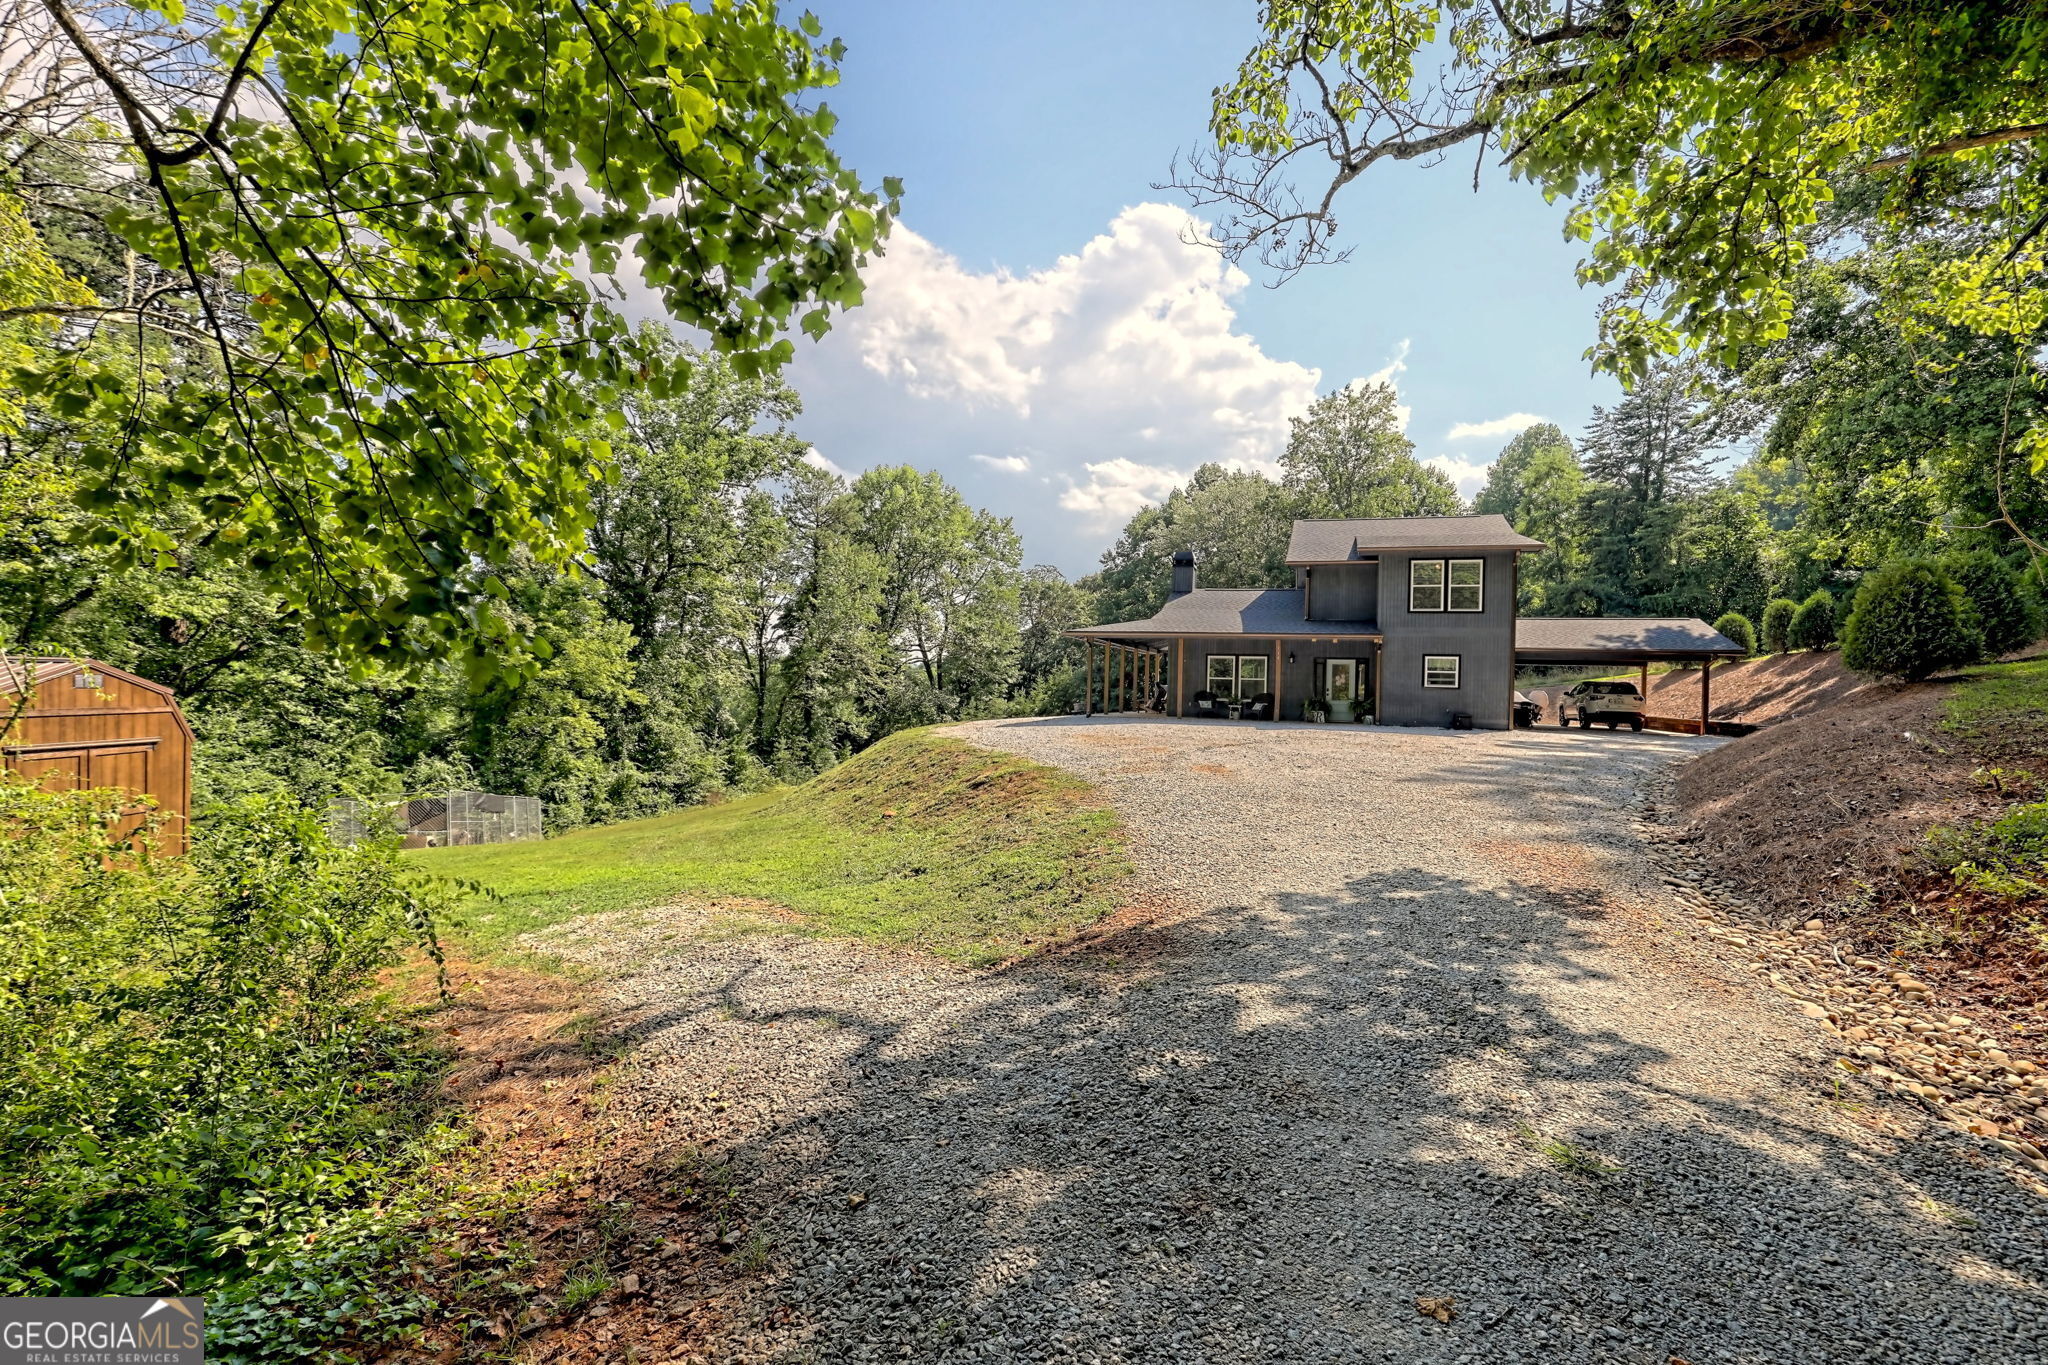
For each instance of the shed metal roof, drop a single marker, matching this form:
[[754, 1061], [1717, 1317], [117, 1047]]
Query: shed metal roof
[[1336, 540], [1600, 638], [1230, 611]]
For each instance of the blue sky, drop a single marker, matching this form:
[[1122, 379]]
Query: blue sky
[[1040, 334]]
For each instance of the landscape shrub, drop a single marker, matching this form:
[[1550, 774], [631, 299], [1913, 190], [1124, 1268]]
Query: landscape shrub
[[1777, 625], [2007, 857], [1911, 621], [1813, 624], [197, 1087], [1736, 627], [2006, 610]]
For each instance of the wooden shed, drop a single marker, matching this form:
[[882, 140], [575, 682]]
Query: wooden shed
[[89, 725]]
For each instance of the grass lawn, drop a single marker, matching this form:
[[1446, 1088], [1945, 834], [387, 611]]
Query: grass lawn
[[921, 840], [2005, 703]]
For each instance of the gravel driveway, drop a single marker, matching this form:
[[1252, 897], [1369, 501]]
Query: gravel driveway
[[1413, 1017]]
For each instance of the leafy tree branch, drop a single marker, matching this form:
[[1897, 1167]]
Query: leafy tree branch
[[387, 248]]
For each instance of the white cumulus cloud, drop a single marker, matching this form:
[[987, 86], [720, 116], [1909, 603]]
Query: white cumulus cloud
[[1115, 489], [814, 458], [1112, 373], [1469, 475], [1514, 424]]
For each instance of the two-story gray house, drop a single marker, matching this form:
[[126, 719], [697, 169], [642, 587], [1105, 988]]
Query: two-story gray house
[[1401, 620]]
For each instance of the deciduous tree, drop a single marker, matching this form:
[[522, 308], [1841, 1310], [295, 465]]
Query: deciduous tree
[[1697, 140], [1348, 456], [1537, 484], [385, 244]]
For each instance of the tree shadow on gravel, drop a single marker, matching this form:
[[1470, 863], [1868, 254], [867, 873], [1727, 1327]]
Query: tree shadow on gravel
[[1327, 1107]]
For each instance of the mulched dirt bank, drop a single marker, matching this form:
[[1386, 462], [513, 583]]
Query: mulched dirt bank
[[1802, 816], [1757, 691], [1823, 817], [1980, 1074]]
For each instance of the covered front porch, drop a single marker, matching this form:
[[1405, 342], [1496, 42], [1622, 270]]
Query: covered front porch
[[1235, 677]]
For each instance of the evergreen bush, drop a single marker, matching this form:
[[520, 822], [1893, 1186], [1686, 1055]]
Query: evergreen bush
[[1911, 620], [2007, 613], [1736, 627], [1813, 625], [1777, 625]]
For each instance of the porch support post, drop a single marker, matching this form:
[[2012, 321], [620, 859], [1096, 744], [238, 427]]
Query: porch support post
[[1278, 645], [1180, 681], [1643, 686], [1378, 657], [1706, 692], [1087, 677], [1106, 647]]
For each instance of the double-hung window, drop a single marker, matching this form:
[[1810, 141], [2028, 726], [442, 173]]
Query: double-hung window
[[1425, 585], [1446, 585], [1238, 677], [1439, 670], [1467, 591]]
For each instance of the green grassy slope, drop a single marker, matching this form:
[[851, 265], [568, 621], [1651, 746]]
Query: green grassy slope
[[2002, 701], [920, 840]]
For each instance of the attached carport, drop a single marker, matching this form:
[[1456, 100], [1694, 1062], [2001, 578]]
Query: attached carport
[[1619, 641]]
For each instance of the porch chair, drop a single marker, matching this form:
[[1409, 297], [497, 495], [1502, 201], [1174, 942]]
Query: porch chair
[[1207, 704], [1259, 707]]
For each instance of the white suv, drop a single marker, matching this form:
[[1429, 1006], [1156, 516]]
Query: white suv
[[1617, 703]]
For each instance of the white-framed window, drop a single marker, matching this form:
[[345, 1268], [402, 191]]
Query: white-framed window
[[1222, 675], [1439, 670], [1467, 590], [1425, 585], [1251, 675], [1238, 677]]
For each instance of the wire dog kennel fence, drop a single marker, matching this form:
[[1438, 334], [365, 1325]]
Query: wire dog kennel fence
[[438, 819]]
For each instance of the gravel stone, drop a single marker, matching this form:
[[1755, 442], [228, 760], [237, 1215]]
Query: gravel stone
[[1424, 1019]]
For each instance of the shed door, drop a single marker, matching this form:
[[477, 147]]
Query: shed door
[[124, 770], [55, 770]]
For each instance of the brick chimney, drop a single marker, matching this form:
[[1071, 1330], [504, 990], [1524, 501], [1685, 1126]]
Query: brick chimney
[[1183, 572]]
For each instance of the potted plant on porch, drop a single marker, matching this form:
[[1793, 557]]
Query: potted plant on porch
[[1316, 709]]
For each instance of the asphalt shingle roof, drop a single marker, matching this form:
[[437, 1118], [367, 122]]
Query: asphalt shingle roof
[[1233, 611], [1595, 635], [1337, 539]]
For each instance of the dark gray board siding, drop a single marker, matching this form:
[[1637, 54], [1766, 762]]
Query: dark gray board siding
[[1298, 658], [1484, 642], [1197, 679], [1344, 592]]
